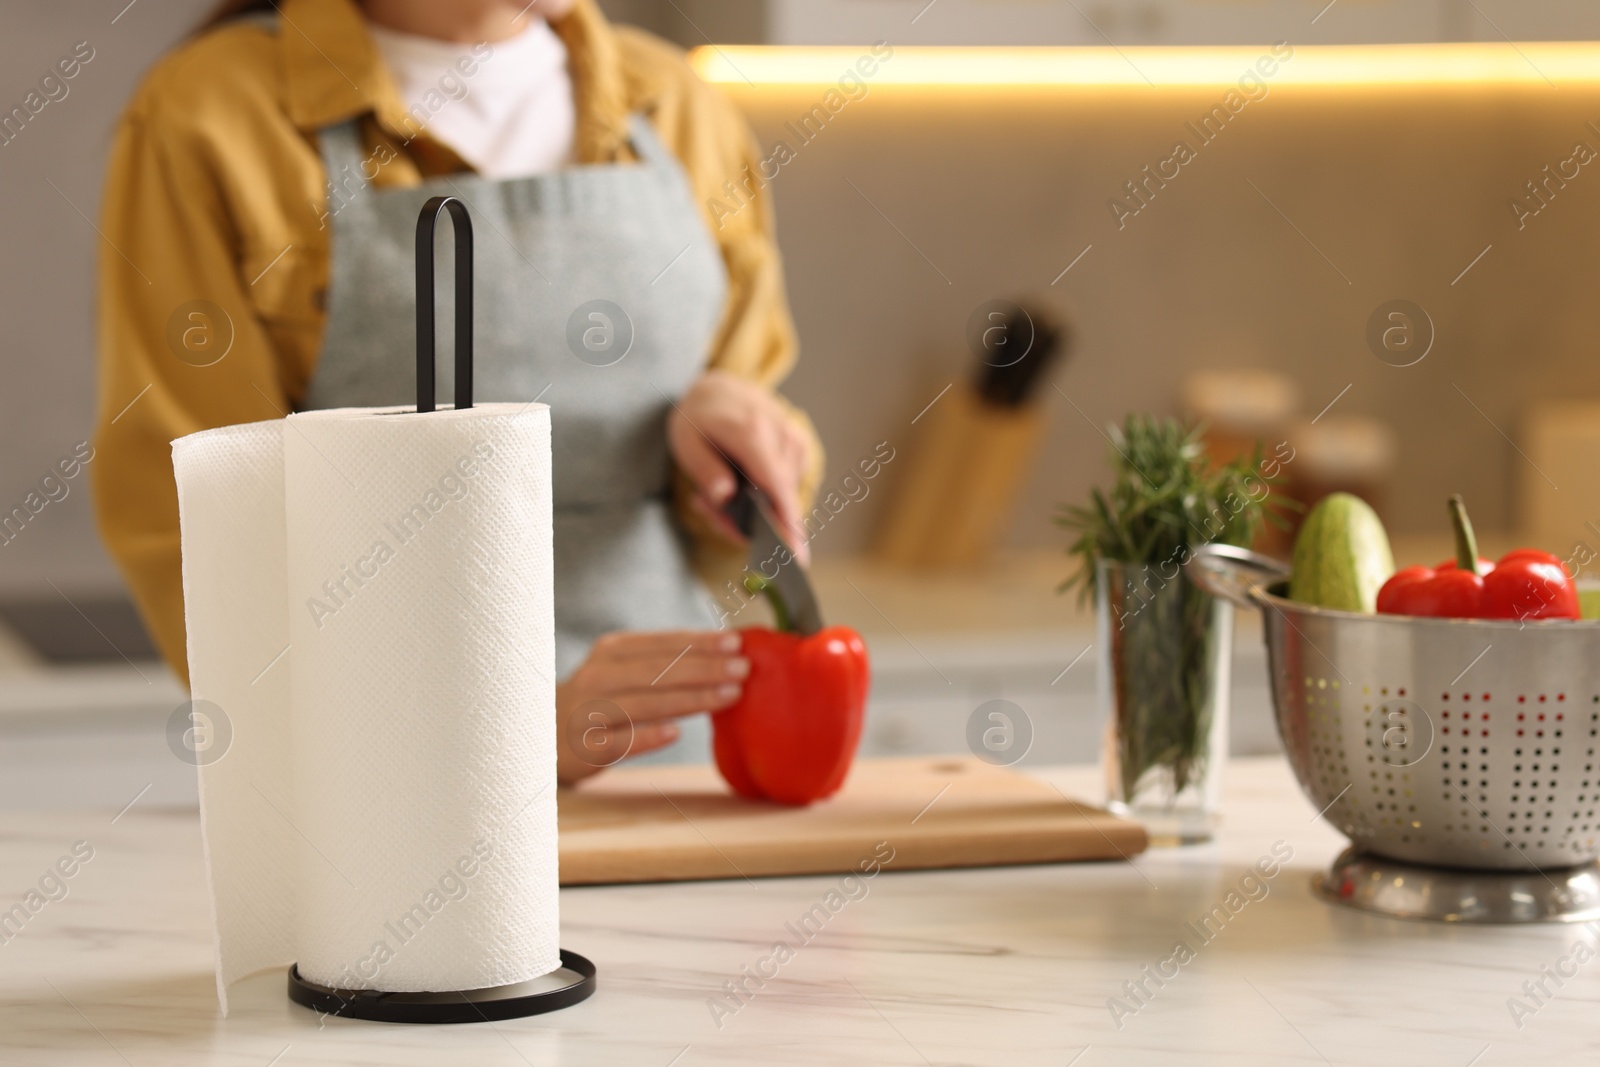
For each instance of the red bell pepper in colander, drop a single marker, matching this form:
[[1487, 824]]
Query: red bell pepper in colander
[[1525, 584]]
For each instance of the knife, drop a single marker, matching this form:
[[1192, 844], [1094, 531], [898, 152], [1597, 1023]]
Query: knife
[[771, 557]]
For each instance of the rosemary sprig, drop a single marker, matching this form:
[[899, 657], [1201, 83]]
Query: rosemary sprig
[[1165, 499]]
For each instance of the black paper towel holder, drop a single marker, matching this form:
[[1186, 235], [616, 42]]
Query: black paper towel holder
[[574, 980]]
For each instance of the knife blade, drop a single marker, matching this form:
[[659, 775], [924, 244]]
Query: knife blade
[[772, 558]]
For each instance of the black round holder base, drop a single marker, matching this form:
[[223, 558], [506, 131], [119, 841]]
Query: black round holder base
[[572, 982]]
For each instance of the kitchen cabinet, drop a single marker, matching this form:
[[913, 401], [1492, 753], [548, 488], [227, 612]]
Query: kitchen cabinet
[[914, 711], [1121, 22], [98, 735]]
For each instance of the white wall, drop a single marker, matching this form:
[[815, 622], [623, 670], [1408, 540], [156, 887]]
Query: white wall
[[48, 247]]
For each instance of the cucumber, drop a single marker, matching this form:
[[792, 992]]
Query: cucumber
[[1341, 556]]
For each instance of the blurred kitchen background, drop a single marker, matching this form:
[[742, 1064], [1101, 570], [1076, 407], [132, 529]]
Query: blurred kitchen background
[[1244, 290]]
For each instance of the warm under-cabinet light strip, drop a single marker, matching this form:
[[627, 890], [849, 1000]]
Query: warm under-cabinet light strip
[[1441, 64]]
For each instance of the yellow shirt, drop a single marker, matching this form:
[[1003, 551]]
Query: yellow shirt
[[216, 194]]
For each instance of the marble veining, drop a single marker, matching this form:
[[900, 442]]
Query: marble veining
[[1010, 966]]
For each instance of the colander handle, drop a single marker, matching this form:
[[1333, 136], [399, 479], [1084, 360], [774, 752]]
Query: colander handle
[[1234, 573]]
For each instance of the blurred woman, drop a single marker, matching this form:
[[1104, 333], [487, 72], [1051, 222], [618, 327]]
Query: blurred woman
[[259, 215]]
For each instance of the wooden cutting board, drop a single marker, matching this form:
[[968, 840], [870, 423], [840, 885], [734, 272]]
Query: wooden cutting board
[[680, 823]]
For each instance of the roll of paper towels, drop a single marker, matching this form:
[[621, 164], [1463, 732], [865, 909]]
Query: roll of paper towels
[[368, 596]]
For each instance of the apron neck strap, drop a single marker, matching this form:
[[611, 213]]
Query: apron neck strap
[[340, 147], [647, 144]]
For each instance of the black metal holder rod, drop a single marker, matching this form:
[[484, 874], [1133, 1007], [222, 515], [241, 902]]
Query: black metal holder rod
[[461, 223]]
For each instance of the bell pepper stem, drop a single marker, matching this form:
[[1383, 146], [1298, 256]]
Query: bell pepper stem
[[783, 621], [1466, 541]]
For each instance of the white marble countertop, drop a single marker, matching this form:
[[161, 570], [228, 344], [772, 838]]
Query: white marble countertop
[[1011, 966]]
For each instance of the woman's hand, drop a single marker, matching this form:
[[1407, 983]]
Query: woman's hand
[[723, 417], [622, 700]]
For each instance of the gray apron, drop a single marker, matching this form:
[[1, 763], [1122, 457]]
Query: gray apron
[[549, 251]]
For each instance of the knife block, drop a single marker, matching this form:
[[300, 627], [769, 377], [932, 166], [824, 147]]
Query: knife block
[[961, 486]]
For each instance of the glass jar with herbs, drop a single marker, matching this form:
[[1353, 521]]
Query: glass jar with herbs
[[1164, 646]]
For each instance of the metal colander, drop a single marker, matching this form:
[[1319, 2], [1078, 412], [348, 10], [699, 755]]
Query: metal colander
[[1462, 743]]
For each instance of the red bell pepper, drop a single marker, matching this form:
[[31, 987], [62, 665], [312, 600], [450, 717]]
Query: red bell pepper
[[1525, 584], [793, 733]]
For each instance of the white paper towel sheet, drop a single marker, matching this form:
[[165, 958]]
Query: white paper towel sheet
[[369, 604]]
